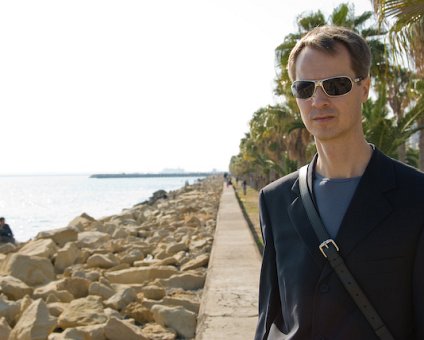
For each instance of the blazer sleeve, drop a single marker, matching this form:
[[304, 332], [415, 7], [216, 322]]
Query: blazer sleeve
[[418, 289], [269, 295]]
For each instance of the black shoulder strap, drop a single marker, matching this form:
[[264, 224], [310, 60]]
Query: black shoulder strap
[[330, 250]]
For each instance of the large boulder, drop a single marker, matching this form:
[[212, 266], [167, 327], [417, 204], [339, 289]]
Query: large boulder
[[178, 318], [154, 331], [138, 312], [9, 309], [153, 292], [14, 288], [186, 281], [60, 236], [4, 329], [101, 289], [66, 256], [102, 261], [7, 248], [83, 312], [200, 261], [175, 248], [51, 292], [121, 299], [116, 329], [77, 286], [94, 332], [32, 270], [140, 275], [35, 323], [42, 248], [81, 222], [92, 239]]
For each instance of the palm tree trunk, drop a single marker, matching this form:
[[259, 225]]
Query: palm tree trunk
[[421, 144], [401, 151]]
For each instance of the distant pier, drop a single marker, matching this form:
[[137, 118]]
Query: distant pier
[[136, 175]]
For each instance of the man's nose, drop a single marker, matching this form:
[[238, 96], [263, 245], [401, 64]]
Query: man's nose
[[319, 97]]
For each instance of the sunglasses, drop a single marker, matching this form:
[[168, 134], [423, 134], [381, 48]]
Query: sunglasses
[[332, 87]]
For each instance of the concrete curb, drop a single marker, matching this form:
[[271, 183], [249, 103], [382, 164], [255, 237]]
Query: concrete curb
[[228, 308]]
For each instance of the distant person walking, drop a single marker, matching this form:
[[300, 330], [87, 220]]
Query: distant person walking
[[6, 234], [244, 185]]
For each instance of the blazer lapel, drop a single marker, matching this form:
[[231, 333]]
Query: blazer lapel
[[369, 206], [299, 218]]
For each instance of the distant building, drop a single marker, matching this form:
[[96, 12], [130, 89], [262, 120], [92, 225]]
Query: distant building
[[172, 171]]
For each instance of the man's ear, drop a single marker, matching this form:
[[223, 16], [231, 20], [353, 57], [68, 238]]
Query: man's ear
[[365, 87]]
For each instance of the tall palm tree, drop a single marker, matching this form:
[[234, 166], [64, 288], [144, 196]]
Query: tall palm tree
[[405, 19]]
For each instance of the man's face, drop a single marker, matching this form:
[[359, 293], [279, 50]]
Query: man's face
[[331, 118], [1, 223]]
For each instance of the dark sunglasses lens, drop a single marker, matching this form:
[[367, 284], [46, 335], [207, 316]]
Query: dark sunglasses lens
[[303, 89], [337, 86]]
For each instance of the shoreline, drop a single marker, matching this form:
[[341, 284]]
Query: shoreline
[[147, 264]]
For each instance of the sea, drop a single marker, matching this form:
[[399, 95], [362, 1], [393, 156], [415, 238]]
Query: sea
[[32, 204]]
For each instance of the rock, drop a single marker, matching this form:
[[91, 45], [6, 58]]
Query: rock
[[102, 261], [56, 308], [153, 292], [7, 248], [154, 331], [9, 310], [100, 289], [131, 256], [92, 239], [122, 298], [60, 236], [83, 312], [52, 293], [94, 332], [66, 257], [14, 288], [140, 274], [175, 248], [82, 221], [42, 248], [199, 261], [35, 323], [4, 329], [120, 233], [118, 330], [193, 221], [77, 286], [138, 312], [32, 270], [189, 302], [157, 195], [187, 281], [178, 318]]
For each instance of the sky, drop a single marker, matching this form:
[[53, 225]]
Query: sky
[[136, 86]]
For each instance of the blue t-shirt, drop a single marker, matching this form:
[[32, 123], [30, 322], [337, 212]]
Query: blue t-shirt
[[333, 197]]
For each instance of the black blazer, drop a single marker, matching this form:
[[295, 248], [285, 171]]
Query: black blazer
[[382, 241]]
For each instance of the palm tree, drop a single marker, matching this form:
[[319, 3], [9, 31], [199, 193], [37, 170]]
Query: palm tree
[[406, 21]]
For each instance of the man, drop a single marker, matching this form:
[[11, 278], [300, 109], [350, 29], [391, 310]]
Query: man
[[372, 207], [6, 234]]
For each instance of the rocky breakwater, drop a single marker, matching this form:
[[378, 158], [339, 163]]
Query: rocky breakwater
[[136, 275]]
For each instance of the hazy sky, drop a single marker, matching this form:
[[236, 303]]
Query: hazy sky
[[136, 86]]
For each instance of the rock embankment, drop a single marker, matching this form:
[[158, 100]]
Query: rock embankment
[[136, 275]]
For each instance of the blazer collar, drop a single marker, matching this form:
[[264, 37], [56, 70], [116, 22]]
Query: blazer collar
[[368, 207]]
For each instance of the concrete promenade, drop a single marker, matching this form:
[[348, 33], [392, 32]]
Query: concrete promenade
[[229, 302]]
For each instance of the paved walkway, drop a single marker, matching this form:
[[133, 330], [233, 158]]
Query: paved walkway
[[229, 302]]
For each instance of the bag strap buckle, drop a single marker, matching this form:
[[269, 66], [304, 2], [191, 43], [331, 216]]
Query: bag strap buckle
[[325, 244]]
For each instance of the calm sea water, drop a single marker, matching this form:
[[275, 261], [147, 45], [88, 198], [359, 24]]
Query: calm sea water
[[32, 204]]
